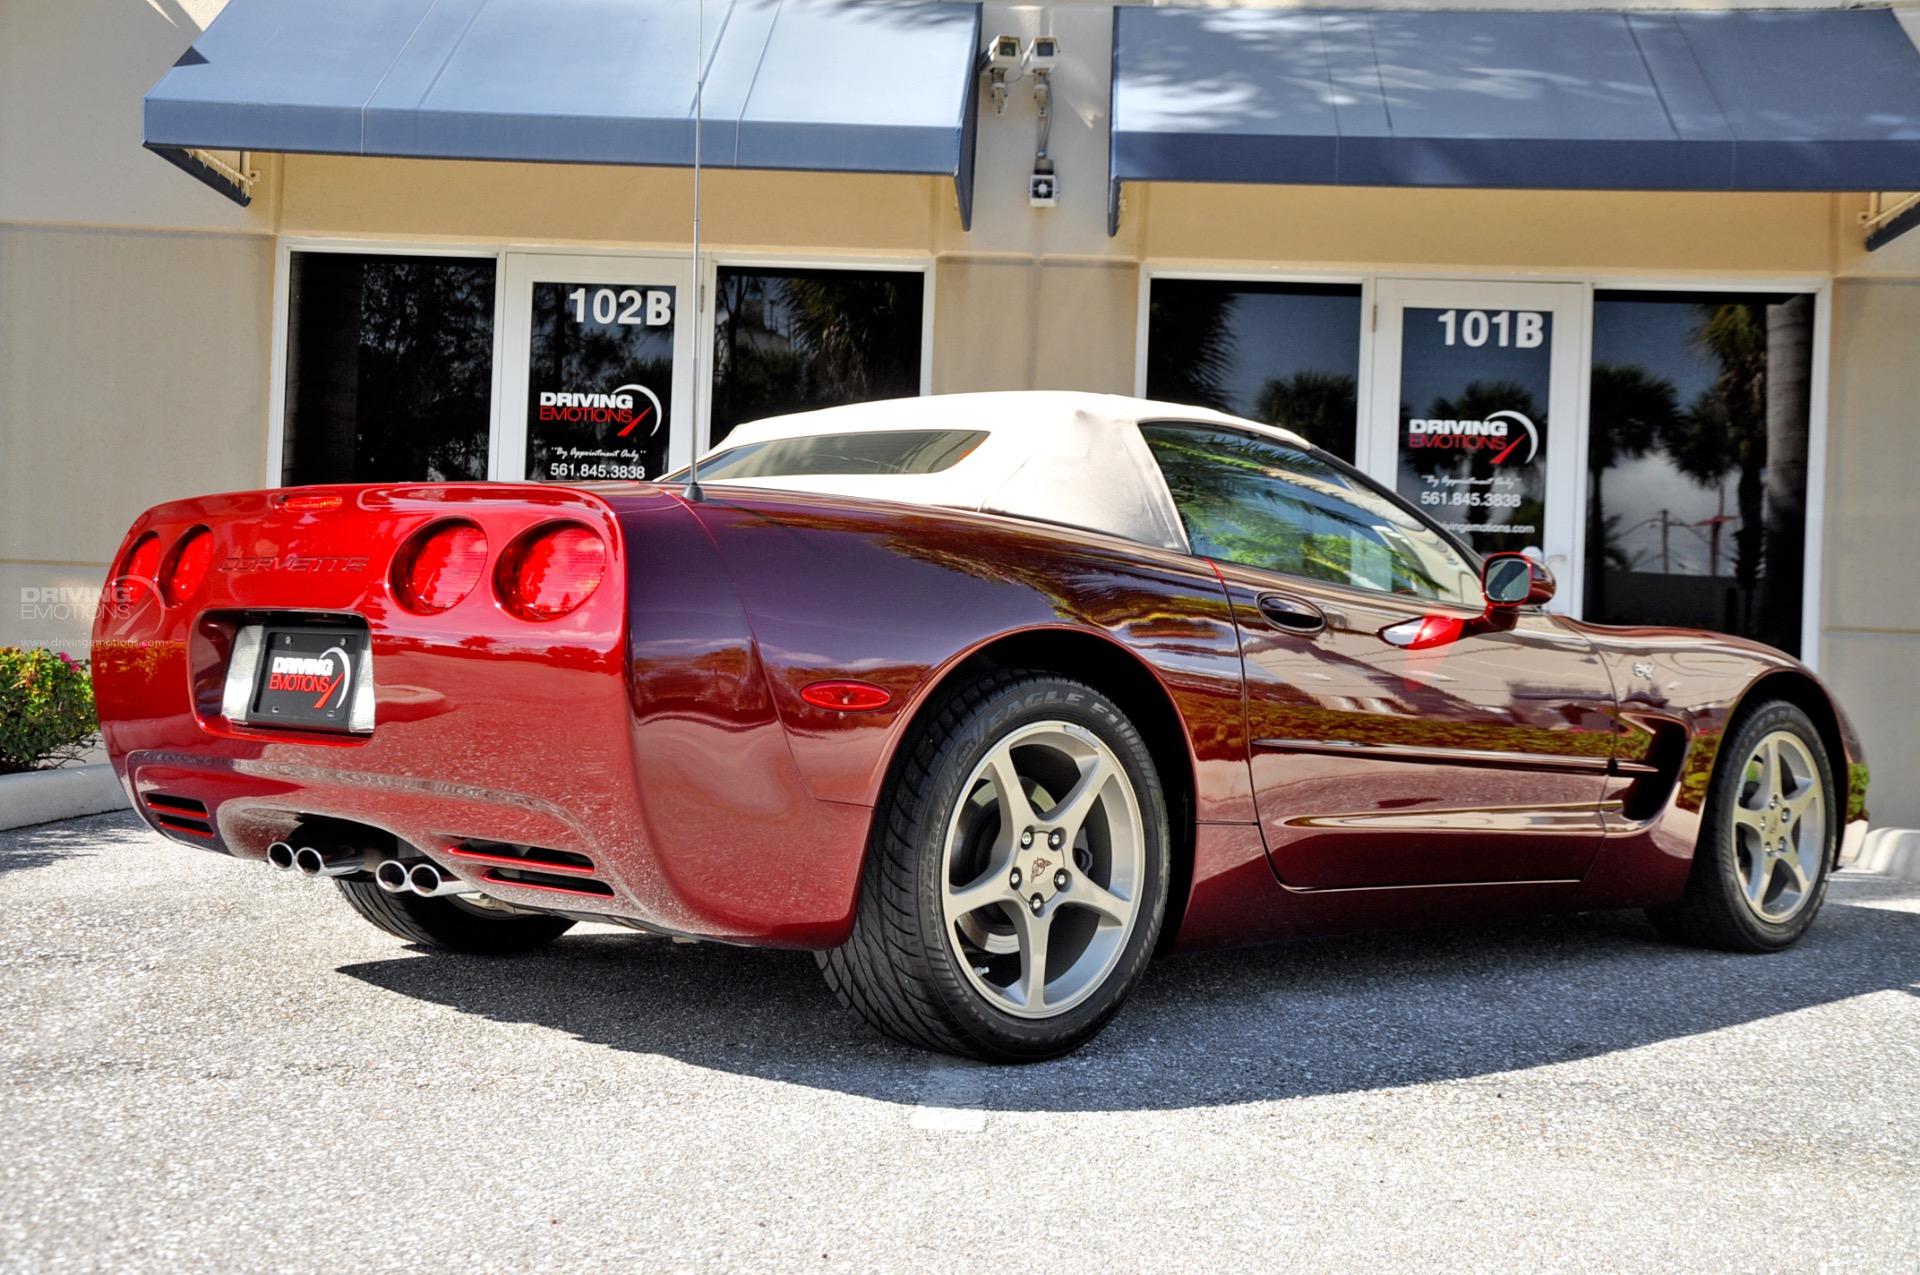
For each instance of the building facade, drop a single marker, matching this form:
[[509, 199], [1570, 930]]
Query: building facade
[[1708, 392]]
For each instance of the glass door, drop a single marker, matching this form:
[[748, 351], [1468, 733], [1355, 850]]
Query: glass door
[[597, 380], [1475, 409]]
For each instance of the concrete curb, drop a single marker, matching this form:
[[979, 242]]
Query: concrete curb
[[1890, 852], [42, 796]]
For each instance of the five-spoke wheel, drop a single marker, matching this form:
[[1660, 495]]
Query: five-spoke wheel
[[1017, 880], [1779, 826], [1044, 860]]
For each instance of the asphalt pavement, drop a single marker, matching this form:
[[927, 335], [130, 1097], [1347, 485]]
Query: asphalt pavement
[[207, 1066]]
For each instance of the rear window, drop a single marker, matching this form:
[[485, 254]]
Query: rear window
[[883, 451]]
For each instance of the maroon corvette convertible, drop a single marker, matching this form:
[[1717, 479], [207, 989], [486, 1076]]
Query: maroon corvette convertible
[[984, 698]]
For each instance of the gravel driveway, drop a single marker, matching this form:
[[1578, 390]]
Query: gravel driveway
[[207, 1066]]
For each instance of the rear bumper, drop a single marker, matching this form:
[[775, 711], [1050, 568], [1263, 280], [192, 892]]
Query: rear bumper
[[239, 806]]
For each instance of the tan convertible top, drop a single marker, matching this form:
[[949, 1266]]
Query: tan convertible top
[[1062, 457]]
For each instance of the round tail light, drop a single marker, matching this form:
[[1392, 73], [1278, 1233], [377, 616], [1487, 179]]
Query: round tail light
[[140, 571], [550, 572], [188, 567], [439, 566]]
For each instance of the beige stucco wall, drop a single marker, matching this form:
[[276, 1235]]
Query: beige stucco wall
[[132, 370], [134, 307], [1871, 645], [1554, 233]]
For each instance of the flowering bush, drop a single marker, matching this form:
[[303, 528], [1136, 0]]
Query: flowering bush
[[46, 708]]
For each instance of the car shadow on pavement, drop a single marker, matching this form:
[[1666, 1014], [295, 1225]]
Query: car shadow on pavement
[[1314, 1017]]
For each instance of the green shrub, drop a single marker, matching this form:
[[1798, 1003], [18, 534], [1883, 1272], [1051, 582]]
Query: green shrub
[[46, 708]]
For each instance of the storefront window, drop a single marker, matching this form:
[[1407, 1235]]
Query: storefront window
[[389, 368], [1287, 354], [1697, 461], [794, 340]]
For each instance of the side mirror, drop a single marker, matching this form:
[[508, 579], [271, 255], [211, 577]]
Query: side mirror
[[1507, 580], [1543, 584]]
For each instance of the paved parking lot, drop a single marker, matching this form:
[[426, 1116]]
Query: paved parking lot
[[210, 1067]]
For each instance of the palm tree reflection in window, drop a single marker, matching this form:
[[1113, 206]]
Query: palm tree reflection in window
[[1741, 365], [1246, 500], [1285, 354], [795, 340]]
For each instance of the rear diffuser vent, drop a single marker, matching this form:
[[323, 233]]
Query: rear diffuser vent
[[182, 816], [547, 881], [507, 855]]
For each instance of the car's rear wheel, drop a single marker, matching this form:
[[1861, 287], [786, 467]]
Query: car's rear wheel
[[1016, 881], [1771, 823], [453, 922]]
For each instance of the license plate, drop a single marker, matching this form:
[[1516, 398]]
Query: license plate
[[308, 676]]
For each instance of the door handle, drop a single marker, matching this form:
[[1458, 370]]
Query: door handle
[[1295, 615]]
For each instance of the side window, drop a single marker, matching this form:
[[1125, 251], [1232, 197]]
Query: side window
[[1263, 504]]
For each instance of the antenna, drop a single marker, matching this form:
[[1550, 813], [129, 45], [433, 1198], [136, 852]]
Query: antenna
[[692, 491]]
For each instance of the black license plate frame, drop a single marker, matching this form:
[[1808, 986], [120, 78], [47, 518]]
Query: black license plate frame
[[308, 677]]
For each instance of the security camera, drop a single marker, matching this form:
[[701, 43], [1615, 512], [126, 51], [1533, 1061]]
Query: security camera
[[1042, 55], [1002, 63]]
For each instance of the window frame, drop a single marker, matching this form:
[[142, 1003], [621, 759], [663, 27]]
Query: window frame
[[1363, 389], [279, 357], [709, 289], [1820, 287], [706, 289], [1473, 560]]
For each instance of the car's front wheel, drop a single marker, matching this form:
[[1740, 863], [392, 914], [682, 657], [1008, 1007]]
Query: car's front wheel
[[1016, 881], [1772, 820]]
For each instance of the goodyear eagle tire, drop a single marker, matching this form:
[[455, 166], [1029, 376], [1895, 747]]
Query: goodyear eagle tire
[[1016, 880]]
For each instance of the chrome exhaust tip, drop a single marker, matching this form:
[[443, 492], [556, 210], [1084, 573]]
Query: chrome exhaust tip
[[330, 861], [280, 855], [392, 876], [429, 882]]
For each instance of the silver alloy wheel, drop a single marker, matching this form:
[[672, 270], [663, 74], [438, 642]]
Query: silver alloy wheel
[[1043, 869], [1779, 826]]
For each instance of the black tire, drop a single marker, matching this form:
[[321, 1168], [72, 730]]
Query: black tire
[[899, 970], [450, 926], [1714, 910]]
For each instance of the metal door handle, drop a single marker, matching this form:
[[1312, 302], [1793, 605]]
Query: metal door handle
[[1293, 614]]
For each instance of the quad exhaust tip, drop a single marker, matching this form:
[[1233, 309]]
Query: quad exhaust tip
[[395, 876], [327, 861], [417, 876], [391, 876], [429, 882]]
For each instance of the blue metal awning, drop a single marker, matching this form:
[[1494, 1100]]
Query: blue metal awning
[[1695, 100], [823, 85]]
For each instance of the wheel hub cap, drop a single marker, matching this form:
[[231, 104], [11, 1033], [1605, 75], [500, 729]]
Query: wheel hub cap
[[1040, 873]]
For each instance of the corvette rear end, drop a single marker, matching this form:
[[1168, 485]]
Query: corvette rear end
[[435, 679]]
